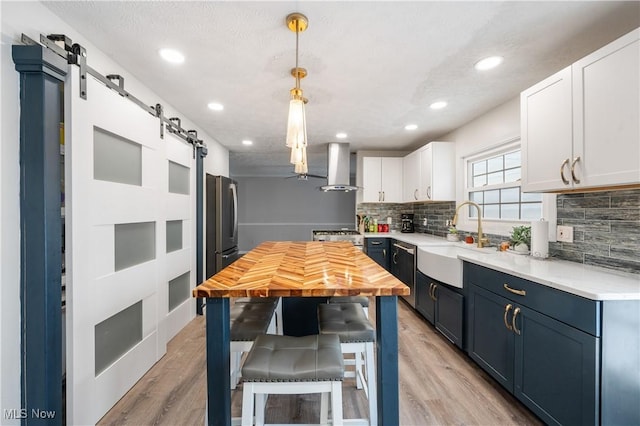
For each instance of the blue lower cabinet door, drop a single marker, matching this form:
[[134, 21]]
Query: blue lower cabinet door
[[490, 341], [424, 303], [555, 372], [449, 314]]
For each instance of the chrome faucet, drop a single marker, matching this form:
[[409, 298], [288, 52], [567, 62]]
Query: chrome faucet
[[482, 241]]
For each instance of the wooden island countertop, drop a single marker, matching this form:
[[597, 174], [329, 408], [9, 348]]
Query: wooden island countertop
[[302, 269]]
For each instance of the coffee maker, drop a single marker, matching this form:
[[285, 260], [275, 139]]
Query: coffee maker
[[407, 222]]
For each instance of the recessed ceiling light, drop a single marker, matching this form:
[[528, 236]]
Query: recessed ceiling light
[[438, 105], [341, 135], [247, 142], [215, 106], [411, 127], [171, 55], [488, 63]]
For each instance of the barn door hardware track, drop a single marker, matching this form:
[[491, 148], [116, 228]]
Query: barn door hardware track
[[75, 54]]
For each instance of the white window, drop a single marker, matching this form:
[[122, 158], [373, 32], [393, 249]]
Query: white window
[[494, 184], [492, 180]]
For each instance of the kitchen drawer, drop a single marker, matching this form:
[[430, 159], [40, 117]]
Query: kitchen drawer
[[377, 242], [581, 313]]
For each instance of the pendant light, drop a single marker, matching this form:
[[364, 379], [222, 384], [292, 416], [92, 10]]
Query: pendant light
[[297, 124]]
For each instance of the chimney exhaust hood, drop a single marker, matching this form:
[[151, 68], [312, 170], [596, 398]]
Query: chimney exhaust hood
[[338, 159]]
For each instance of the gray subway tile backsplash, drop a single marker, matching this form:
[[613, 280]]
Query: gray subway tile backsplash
[[606, 229], [606, 226]]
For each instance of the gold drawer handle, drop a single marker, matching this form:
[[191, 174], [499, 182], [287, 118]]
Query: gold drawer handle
[[514, 291], [506, 313], [564, 179], [573, 169], [513, 321]]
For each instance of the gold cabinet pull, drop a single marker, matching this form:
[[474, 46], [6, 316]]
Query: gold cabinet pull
[[514, 291], [415, 194], [573, 169], [513, 321], [564, 179], [429, 192], [433, 291], [395, 255], [506, 313], [384, 252]]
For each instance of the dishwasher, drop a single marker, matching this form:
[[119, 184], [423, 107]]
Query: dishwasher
[[403, 267]]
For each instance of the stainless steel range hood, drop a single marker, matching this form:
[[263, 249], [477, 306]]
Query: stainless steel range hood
[[338, 168]]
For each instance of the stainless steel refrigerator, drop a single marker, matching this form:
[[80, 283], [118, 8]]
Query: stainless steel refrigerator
[[222, 223]]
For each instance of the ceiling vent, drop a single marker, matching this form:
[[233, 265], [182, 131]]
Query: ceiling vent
[[338, 159]]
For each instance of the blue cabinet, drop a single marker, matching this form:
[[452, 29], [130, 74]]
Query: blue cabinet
[[550, 365], [378, 250], [489, 342], [425, 304], [556, 369], [442, 306]]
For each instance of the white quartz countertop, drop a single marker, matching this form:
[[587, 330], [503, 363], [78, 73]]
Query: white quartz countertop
[[411, 238], [582, 280]]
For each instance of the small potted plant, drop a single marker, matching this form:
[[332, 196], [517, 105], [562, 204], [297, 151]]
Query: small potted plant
[[452, 235], [520, 238]]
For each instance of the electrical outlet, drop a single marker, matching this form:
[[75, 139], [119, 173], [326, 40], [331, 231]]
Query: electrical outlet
[[424, 221], [448, 222], [564, 234]]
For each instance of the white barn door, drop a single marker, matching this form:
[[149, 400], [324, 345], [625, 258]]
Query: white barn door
[[130, 259]]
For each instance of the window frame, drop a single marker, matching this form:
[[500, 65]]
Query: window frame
[[499, 226]]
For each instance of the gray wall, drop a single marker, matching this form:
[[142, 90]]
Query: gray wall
[[279, 209]]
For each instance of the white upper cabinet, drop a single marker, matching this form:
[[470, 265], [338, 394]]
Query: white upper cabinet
[[382, 179], [411, 177], [438, 171], [429, 173], [606, 114], [581, 126], [546, 133]]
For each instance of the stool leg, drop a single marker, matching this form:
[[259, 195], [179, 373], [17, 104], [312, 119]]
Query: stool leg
[[279, 325], [324, 408], [371, 384], [336, 403], [261, 403], [247, 404], [236, 358], [359, 368]]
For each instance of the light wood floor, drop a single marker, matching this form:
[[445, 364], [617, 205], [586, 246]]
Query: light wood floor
[[439, 385]]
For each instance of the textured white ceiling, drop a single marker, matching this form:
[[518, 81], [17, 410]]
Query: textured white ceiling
[[373, 66]]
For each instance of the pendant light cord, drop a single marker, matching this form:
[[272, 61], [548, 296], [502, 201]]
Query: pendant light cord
[[297, 72]]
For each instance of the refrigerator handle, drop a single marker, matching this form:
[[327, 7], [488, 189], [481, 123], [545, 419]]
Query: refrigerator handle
[[234, 192]]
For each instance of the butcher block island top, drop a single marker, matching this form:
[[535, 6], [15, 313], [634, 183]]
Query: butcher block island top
[[302, 269]]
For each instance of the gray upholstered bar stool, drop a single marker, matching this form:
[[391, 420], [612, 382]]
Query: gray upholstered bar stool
[[276, 300], [292, 365], [362, 300], [357, 336], [248, 320]]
